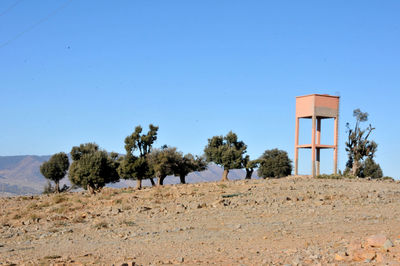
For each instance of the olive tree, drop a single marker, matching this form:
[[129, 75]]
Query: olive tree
[[274, 163], [55, 169], [249, 166], [135, 164], [164, 162], [189, 163], [358, 146], [226, 151], [92, 168]]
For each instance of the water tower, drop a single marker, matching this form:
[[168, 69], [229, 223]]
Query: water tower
[[317, 107]]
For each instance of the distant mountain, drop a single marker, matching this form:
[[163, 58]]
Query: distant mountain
[[20, 175]]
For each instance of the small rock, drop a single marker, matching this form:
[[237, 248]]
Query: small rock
[[181, 259], [388, 244], [376, 240], [339, 257]]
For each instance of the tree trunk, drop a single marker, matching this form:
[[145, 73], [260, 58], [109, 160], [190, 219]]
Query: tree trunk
[[354, 169], [183, 179], [249, 173], [139, 184], [225, 175], [57, 187], [90, 189], [152, 181], [161, 180]]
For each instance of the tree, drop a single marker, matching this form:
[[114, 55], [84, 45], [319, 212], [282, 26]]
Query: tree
[[93, 168], [371, 169], [358, 146], [137, 166], [164, 162], [274, 163], [189, 163], [249, 166], [55, 169], [225, 151]]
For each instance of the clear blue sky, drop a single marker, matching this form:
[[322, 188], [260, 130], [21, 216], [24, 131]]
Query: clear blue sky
[[90, 71]]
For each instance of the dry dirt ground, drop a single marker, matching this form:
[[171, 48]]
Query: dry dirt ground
[[293, 221]]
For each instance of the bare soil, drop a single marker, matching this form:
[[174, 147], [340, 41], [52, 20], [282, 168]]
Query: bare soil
[[293, 220]]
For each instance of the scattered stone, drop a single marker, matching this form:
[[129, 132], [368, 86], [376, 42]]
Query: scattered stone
[[388, 244], [376, 240]]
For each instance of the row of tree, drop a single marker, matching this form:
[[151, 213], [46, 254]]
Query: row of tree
[[92, 168]]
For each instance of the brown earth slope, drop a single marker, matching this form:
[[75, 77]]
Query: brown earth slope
[[297, 221]]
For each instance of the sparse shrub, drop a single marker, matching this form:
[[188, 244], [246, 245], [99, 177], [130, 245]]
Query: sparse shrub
[[59, 198], [219, 185], [371, 169], [274, 163], [101, 225], [35, 217], [52, 257], [17, 216], [117, 201], [334, 176], [129, 223]]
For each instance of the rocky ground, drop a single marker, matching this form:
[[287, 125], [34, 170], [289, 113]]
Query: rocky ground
[[294, 221]]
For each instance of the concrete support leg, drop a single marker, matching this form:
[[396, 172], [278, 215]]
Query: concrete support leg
[[296, 149], [318, 162], [335, 151], [313, 146]]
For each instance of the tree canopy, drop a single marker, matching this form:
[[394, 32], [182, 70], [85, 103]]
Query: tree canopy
[[189, 163], [249, 166], [135, 164], [226, 151], [274, 163], [164, 162], [92, 168], [55, 168]]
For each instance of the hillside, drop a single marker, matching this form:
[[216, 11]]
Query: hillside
[[296, 221], [20, 175]]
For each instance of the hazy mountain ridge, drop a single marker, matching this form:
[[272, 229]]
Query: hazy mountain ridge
[[21, 175]]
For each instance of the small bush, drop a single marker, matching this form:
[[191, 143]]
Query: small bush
[[334, 176], [59, 198], [274, 163], [101, 225]]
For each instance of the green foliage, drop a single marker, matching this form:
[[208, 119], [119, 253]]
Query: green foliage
[[331, 176], [187, 164], [225, 151], [274, 163], [134, 164], [164, 162], [371, 169], [55, 168], [249, 166], [358, 146], [93, 168]]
